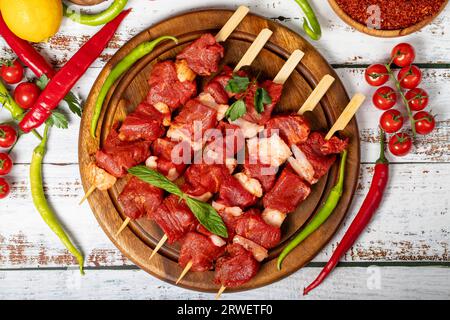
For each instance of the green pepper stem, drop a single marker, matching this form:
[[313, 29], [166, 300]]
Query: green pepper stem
[[382, 159]]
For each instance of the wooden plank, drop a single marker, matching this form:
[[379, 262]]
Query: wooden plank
[[432, 148], [404, 229], [345, 283], [340, 44]]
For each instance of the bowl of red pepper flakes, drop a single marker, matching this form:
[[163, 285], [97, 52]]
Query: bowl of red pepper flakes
[[388, 18]]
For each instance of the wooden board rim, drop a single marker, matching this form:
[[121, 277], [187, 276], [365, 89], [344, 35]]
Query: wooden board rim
[[87, 146]]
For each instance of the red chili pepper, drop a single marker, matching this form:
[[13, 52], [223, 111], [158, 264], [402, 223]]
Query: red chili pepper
[[368, 208], [25, 52], [65, 79]]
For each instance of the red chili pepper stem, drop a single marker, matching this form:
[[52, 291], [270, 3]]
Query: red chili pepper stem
[[365, 213]]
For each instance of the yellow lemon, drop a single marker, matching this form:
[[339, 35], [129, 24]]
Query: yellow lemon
[[32, 20]]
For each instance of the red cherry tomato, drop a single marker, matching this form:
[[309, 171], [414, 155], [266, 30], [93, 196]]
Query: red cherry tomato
[[391, 121], [376, 75], [26, 94], [4, 188], [400, 144], [409, 77], [5, 164], [7, 136], [424, 122], [12, 73], [384, 98], [417, 99], [403, 54]]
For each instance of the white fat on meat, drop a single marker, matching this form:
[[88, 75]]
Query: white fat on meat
[[209, 101], [250, 184], [101, 179], [302, 166], [217, 241], [249, 129], [234, 211], [173, 174], [273, 217], [204, 197], [179, 133], [259, 253], [231, 164], [152, 162], [165, 110], [184, 73], [272, 150]]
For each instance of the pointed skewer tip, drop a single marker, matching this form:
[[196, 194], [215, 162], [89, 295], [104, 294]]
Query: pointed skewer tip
[[185, 271]]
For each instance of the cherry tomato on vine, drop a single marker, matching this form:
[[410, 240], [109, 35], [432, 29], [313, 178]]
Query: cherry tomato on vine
[[384, 98], [417, 99], [391, 121], [400, 144], [376, 75], [409, 77], [424, 122], [5, 164], [12, 72], [26, 94], [8, 136], [403, 54], [4, 188]]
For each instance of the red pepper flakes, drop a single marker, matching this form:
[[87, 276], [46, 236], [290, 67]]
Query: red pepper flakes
[[395, 14]]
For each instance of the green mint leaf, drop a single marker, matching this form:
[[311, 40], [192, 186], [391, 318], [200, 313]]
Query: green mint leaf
[[42, 82], [74, 103], [262, 98], [204, 212], [58, 120], [237, 84], [236, 110], [156, 179], [208, 217]]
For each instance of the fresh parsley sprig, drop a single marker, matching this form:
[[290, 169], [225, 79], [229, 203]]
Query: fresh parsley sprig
[[204, 212]]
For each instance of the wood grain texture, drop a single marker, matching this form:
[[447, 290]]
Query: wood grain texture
[[404, 229], [371, 283], [412, 226], [138, 241], [340, 44]]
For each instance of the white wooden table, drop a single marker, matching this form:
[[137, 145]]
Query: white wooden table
[[404, 253]]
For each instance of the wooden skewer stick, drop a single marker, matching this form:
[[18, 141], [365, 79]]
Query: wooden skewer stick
[[219, 293], [158, 246], [88, 193], [317, 95], [346, 115], [185, 271], [123, 226], [232, 23], [290, 65], [247, 59], [254, 49], [282, 76]]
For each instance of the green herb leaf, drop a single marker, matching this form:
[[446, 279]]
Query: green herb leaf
[[156, 179], [42, 82], [207, 216], [74, 103], [237, 84], [204, 212], [236, 110], [58, 120], [262, 98]]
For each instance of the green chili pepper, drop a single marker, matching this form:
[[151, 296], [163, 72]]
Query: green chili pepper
[[325, 211], [40, 202], [123, 66], [96, 19], [310, 23], [17, 113]]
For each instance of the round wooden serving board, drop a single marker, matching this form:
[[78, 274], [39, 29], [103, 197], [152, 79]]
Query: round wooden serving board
[[138, 240]]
